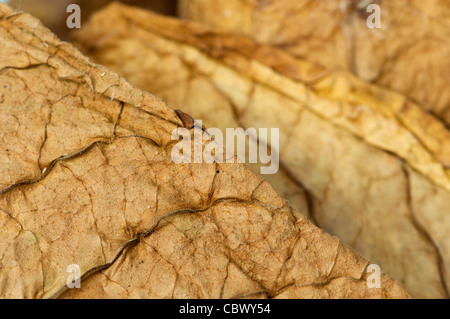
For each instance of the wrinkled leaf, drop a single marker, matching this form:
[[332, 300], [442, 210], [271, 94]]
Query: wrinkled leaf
[[53, 13], [87, 179], [374, 164], [410, 53]]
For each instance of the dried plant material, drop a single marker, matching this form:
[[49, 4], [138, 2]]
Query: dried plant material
[[374, 164], [87, 180], [410, 53]]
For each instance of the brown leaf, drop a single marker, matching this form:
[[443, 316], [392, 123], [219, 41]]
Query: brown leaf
[[410, 53], [374, 164], [87, 179]]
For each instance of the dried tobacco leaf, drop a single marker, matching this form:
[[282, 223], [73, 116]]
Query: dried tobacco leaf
[[374, 164], [410, 53], [87, 179]]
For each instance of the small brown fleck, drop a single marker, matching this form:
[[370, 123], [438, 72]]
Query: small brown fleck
[[188, 121]]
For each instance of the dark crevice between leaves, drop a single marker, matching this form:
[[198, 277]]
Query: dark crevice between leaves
[[423, 232]]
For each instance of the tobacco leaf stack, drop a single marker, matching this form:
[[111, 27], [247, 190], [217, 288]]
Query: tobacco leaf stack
[[87, 177], [363, 162]]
